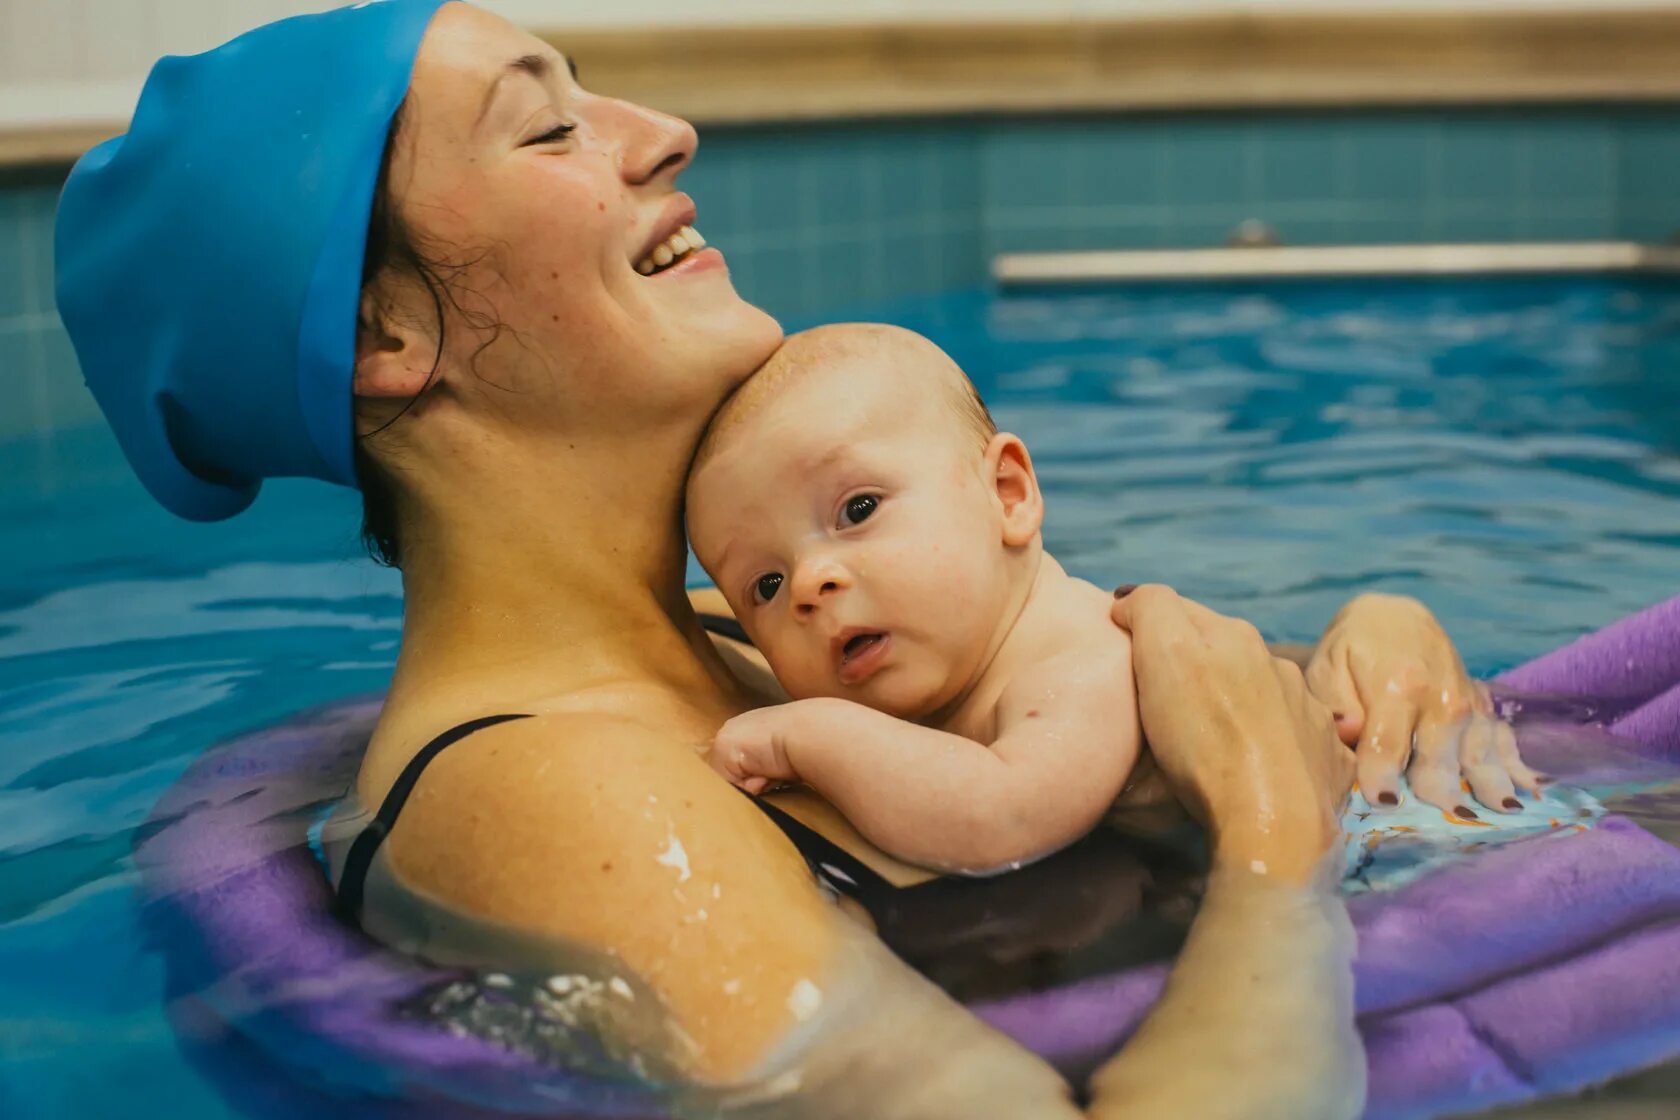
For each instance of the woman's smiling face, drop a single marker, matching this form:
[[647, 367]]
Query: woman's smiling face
[[540, 199]]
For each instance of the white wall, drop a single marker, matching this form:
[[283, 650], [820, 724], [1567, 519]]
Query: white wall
[[63, 61]]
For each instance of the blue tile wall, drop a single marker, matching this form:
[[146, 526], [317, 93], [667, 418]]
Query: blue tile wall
[[40, 388], [823, 218], [819, 218], [1648, 168], [1315, 179]]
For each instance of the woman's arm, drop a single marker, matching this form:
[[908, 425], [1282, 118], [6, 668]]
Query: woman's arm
[[605, 833], [1257, 1016]]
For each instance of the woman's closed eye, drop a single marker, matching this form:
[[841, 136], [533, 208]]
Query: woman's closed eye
[[552, 136], [765, 589], [858, 509]]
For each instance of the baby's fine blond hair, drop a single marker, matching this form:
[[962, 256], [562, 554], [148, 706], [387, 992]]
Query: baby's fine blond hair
[[837, 344]]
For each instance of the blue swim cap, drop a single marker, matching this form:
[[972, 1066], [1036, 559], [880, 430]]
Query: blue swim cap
[[209, 263]]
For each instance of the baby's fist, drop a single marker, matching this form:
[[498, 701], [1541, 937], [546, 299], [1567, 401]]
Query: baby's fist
[[751, 750]]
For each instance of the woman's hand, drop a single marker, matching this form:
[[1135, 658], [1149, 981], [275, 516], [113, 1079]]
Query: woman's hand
[[1394, 681], [1236, 734], [1262, 992]]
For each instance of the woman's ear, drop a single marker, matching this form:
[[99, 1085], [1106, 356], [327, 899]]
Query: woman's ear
[[392, 360], [1010, 470]]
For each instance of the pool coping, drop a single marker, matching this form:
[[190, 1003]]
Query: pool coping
[[1199, 62], [1015, 270]]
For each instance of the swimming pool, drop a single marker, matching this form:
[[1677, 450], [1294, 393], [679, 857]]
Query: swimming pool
[[1509, 451]]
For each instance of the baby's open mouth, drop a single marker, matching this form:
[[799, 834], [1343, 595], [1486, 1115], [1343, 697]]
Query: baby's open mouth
[[671, 251], [856, 645]]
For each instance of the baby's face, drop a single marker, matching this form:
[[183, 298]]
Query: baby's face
[[851, 525]]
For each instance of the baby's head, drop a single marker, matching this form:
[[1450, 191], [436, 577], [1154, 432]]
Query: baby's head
[[864, 518]]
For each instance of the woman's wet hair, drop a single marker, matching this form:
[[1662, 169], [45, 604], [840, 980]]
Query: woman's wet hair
[[391, 247], [394, 249]]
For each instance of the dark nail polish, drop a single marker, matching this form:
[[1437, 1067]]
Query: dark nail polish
[[1465, 813], [1124, 590], [1543, 779], [1511, 803], [1387, 798]]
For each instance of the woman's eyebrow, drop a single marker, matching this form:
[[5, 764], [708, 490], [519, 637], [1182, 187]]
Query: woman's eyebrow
[[535, 65]]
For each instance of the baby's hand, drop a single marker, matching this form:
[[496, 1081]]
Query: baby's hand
[[751, 750]]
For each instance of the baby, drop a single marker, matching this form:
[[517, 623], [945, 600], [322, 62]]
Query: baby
[[961, 698]]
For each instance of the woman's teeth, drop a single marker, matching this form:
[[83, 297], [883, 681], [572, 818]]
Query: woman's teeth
[[671, 250]]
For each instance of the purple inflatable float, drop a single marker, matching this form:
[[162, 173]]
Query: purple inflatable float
[[1541, 967]]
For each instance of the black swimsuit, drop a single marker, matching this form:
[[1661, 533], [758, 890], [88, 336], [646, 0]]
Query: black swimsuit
[[965, 933], [837, 869]]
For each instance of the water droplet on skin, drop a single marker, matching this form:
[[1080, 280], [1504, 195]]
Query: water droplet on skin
[[804, 1000], [1257, 866], [731, 987], [675, 855]]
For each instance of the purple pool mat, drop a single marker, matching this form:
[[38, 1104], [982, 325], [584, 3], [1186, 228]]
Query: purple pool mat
[[1540, 967]]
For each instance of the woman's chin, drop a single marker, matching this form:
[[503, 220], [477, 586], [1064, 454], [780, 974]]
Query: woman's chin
[[752, 336]]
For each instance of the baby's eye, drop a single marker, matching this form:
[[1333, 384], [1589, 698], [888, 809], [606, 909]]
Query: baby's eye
[[767, 586], [859, 509]]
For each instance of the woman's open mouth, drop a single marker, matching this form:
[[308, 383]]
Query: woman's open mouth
[[862, 655], [672, 251]]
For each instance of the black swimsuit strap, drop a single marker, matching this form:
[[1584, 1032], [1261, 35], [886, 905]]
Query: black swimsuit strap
[[354, 876], [829, 862], [725, 627], [841, 870]]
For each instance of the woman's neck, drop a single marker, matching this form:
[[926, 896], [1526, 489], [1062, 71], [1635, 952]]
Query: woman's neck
[[533, 573]]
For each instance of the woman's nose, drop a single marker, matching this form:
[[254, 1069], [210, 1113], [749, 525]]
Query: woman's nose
[[655, 143]]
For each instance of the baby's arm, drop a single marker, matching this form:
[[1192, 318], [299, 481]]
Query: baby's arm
[[1067, 736]]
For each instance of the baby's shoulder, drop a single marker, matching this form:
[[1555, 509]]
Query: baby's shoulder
[[1084, 626], [1080, 651]]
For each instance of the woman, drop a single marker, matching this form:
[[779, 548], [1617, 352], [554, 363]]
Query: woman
[[525, 398]]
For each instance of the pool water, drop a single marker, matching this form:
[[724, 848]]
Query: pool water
[[1507, 451]]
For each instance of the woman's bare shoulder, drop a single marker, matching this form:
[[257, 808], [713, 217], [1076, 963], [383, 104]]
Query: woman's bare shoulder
[[603, 831]]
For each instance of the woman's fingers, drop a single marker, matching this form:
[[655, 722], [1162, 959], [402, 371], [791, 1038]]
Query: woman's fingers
[[1331, 681], [1483, 770], [1144, 604], [1481, 698], [1435, 770], [1166, 618], [1505, 750], [1327, 752], [1384, 750]]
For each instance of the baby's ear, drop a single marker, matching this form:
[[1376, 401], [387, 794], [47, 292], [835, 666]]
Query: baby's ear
[[1016, 485]]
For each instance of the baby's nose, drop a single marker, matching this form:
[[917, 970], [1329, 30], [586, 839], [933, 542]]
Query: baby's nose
[[816, 584]]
